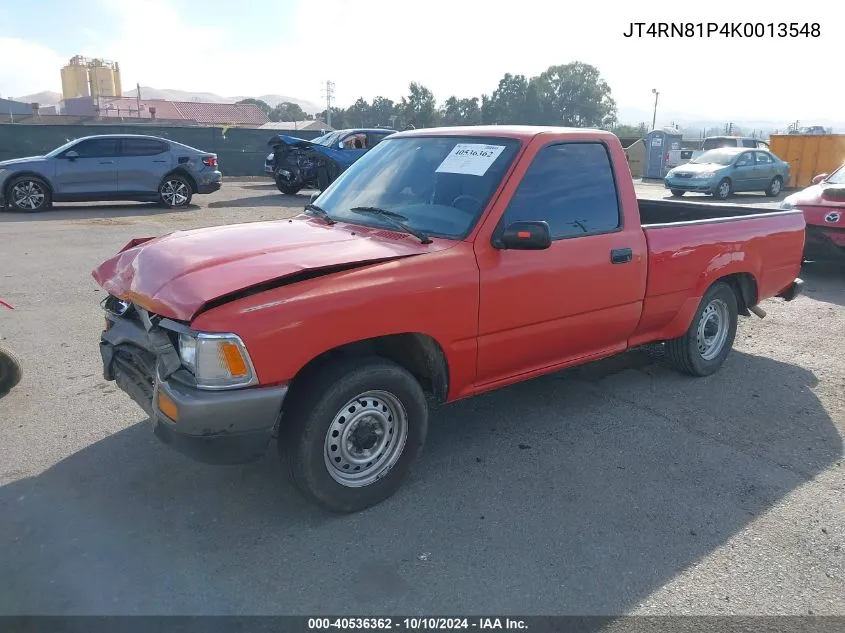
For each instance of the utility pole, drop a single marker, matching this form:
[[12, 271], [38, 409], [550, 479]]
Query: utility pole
[[654, 117], [329, 99], [138, 98]]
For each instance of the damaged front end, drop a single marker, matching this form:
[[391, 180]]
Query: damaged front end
[[300, 164], [147, 357]]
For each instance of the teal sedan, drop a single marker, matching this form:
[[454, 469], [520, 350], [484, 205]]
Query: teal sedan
[[721, 172]]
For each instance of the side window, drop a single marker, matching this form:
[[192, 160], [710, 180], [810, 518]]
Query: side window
[[749, 142], [375, 139], [355, 141], [763, 158], [762, 145], [745, 160], [571, 187], [95, 148], [141, 147]]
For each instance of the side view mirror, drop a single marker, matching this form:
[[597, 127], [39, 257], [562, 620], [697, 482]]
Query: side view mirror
[[340, 145], [525, 236], [313, 197], [71, 155], [819, 178]]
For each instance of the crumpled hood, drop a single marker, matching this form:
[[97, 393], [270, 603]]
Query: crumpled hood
[[17, 161], [177, 274]]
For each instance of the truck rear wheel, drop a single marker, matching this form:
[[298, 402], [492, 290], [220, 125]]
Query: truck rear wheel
[[352, 431], [709, 339]]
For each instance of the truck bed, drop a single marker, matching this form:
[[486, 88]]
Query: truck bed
[[663, 212], [690, 244]]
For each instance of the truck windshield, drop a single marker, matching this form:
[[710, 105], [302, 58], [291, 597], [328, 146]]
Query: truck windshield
[[715, 157], [440, 184], [837, 177]]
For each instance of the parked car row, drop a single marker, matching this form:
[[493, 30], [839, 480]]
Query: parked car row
[[110, 167]]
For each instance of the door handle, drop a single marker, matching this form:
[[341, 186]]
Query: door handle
[[621, 255], [159, 161], [106, 162]]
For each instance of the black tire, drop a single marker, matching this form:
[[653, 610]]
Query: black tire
[[313, 414], [38, 188], [775, 187], [175, 192], [10, 372], [724, 189], [677, 193], [684, 351], [288, 190]]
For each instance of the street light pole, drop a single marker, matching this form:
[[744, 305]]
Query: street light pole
[[654, 118]]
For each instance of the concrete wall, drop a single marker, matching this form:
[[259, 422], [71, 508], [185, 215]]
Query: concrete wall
[[240, 151]]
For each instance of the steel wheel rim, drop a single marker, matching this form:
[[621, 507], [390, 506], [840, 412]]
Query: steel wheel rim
[[365, 439], [724, 189], [174, 192], [28, 195], [776, 186], [712, 331]]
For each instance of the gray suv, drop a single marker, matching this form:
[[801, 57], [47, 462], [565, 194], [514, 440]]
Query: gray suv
[[109, 167]]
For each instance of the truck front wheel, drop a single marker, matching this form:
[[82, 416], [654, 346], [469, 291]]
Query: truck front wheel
[[351, 432], [709, 339]]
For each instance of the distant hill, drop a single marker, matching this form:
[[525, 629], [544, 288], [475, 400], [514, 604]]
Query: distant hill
[[694, 121], [182, 95], [46, 98]]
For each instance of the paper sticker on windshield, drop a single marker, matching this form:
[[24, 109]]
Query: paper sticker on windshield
[[470, 158]]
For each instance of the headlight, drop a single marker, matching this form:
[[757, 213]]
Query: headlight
[[217, 361], [786, 205], [706, 174]]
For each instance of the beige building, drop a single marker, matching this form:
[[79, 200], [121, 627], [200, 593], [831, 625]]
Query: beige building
[[84, 77]]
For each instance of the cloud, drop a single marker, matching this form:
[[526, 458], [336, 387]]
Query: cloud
[[27, 67]]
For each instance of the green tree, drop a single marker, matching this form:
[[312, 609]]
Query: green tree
[[419, 108], [265, 107], [359, 114], [382, 110], [577, 95], [507, 103], [287, 111]]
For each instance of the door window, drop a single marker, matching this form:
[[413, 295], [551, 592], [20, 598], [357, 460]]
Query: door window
[[745, 160], [763, 158], [141, 147], [570, 186], [95, 148]]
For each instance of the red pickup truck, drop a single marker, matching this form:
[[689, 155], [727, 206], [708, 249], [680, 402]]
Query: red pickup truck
[[443, 264]]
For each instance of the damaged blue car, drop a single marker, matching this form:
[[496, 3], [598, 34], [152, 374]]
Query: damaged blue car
[[300, 164]]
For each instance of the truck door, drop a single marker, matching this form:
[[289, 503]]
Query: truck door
[[580, 297]]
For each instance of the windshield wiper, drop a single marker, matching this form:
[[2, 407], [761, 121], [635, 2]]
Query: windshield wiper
[[396, 219], [320, 213]]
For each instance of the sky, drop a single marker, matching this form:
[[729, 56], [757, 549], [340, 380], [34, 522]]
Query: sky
[[455, 47]]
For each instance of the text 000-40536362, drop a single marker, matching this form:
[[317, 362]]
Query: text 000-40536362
[[722, 29]]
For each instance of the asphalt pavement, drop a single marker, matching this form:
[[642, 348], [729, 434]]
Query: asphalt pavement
[[620, 487]]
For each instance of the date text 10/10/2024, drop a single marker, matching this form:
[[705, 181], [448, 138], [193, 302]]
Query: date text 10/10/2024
[[723, 29], [417, 623]]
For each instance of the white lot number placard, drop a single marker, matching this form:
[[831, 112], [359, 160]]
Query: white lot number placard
[[470, 158]]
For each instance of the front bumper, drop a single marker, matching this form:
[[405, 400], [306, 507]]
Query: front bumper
[[820, 243], [792, 290], [690, 184], [214, 427]]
